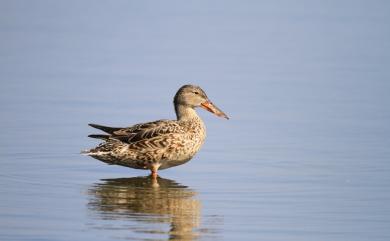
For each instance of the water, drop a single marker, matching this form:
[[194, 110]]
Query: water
[[305, 155]]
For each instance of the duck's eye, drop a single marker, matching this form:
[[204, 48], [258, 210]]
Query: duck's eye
[[196, 92]]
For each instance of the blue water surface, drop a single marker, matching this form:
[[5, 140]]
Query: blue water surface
[[305, 155]]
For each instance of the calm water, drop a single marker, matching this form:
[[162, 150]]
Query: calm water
[[305, 155]]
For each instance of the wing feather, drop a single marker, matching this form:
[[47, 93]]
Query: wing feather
[[146, 131]]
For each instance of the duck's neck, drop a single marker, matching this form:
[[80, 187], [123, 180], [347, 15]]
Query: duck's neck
[[185, 113]]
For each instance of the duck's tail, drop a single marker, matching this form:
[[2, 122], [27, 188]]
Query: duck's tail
[[104, 148], [85, 152]]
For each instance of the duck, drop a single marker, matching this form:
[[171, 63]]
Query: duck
[[160, 144]]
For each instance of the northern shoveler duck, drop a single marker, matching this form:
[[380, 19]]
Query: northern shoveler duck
[[159, 144]]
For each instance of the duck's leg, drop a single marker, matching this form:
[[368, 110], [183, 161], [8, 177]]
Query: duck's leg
[[154, 170], [154, 174]]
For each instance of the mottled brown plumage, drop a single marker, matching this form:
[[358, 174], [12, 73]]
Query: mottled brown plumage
[[159, 144]]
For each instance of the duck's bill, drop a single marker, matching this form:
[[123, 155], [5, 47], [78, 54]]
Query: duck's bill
[[213, 109]]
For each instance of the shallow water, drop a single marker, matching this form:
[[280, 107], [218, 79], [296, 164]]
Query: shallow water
[[305, 155]]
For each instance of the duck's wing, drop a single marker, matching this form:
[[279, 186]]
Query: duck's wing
[[109, 130], [140, 132], [106, 129]]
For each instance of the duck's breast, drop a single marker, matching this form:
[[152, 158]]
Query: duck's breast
[[184, 146]]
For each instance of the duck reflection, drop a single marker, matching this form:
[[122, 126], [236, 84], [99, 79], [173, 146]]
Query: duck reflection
[[149, 202]]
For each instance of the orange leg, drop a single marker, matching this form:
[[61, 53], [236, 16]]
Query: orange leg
[[154, 170], [154, 174]]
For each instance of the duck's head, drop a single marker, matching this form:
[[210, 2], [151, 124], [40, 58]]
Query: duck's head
[[193, 96]]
